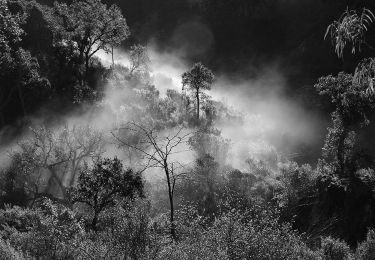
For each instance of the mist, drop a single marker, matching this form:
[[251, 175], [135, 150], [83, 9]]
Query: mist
[[270, 119]]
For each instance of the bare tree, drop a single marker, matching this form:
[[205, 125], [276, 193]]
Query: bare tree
[[53, 158], [157, 151]]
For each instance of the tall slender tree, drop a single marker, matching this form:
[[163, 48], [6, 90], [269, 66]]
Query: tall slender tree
[[197, 79]]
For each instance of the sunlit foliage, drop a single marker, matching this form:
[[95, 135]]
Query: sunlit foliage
[[87, 27], [350, 28]]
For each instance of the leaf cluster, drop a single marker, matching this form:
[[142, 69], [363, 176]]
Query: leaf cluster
[[350, 28]]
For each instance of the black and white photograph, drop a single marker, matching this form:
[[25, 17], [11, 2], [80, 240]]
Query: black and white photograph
[[187, 129]]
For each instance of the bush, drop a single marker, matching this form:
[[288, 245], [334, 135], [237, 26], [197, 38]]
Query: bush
[[7, 252], [99, 188], [366, 249], [334, 249], [128, 233], [298, 182], [50, 231], [253, 234]]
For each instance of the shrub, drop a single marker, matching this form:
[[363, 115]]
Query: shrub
[[252, 234], [128, 233], [100, 187], [50, 231], [8, 252], [334, 249], [366, 249]]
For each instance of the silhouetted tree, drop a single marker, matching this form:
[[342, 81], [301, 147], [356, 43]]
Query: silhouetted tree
[[13, 187], [158, 152], [345, 183], [353, 109], [19, 71], [107, 181], [197, 79], [87, 27]]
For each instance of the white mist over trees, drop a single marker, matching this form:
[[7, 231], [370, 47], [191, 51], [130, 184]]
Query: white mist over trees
[[138, 170]]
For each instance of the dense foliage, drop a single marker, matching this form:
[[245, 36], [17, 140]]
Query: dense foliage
[[83, 190]]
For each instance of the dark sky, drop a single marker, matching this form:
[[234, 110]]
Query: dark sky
[[245, 30]]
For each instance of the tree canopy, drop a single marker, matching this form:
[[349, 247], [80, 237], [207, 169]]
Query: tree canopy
[[107, 181], [198, 79], [87, 27]]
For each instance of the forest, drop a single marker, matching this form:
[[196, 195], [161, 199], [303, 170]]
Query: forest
[[187, 129]]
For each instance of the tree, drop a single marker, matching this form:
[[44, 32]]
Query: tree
[[351, 28], [208, 141], [47, 231], [197, 79], [345, 184], [12, 187], [139, 59], [10, 30], [296, 192], [351, 94], [157, 151], [50, 160], [87, 27], [19, 71], [366, 249], [203, 185], [100, 186], [353, 109], [335, 249]]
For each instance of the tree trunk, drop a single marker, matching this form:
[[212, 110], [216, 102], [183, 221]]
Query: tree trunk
[[173, 227], [197, 96], [341, 151], [87, 60], [22, 101], [95, 221], [170, 195], [81, 74], [113, 60], [2, 120]]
